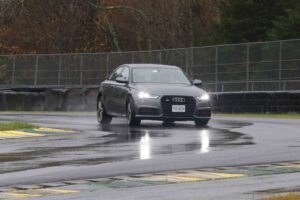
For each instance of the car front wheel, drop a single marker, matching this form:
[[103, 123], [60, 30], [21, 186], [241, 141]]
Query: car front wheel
[[132, 120], [102, 117], [201, 122]]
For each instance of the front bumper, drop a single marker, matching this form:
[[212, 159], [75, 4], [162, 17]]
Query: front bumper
[[157, 109]]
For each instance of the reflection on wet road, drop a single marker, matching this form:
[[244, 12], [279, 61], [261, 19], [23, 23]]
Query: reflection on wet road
[[153, 139], [204, 138], [117, 142], [145, 147]]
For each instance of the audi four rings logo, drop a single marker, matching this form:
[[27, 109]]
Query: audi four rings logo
[[178, 99]]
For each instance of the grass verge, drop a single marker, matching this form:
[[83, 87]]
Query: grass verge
[[290, 196], [266, 115], [49, 113], [16, 125]]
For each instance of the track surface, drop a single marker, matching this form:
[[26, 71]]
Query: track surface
[[94, 152]]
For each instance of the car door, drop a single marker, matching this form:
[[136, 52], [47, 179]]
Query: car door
[[121, 91], [110, 91]]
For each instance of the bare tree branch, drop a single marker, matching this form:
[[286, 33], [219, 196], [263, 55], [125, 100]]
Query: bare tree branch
[[108, 8], [8, 7]]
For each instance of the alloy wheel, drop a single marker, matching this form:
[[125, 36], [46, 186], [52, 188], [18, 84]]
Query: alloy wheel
[[100, 111], [129, 112]]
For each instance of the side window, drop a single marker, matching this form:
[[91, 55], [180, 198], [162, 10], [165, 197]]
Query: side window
[[125, 73], [116, 73]]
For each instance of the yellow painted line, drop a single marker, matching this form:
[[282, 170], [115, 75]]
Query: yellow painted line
[[62, 191], [190, 177], [21, 133], [23, 195], [224, 175], [216, 175], [179, 178], [54, 130], [296, 165], [17, 134], [30, 193]]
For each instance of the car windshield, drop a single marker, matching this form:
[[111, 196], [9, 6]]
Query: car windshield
[[159, 75]]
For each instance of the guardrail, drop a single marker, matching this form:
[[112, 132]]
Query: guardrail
[[260, 66]]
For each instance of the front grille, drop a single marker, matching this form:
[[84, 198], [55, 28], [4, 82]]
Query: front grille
[[148, 111], [168, 101]]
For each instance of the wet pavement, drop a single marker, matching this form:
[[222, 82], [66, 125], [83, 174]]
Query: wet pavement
[[93, 151], [96, 144], [89, 188]]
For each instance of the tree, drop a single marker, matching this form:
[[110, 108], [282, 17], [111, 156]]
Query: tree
[[157, 24], [60, 26], [41, 26], [249, 20], [287, 27]]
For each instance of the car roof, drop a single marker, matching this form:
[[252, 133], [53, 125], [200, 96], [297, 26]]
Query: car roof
[[152, 65]]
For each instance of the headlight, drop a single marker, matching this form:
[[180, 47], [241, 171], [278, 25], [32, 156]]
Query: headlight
[[204, 97], [145, 95]]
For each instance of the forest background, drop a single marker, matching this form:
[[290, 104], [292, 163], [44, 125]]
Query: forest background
[[69, 26]]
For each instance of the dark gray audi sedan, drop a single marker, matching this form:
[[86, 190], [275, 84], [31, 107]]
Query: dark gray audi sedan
[[152, 92]]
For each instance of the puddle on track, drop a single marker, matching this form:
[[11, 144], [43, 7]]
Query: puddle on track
[[124, 143]]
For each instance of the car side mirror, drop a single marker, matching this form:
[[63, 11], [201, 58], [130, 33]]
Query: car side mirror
[[197, 82], [121, 79]]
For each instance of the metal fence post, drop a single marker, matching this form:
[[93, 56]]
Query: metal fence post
[[280, 66], [36, 69], [107, 65], [13, 71], [247, 66], [81, 69], [59, 69], [187, 60], [160, 56], [216, 68]]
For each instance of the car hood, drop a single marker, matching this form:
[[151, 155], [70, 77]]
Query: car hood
[[169, 89]]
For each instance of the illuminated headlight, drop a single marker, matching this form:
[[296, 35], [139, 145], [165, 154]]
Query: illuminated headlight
[[204, 97], [145, 95]]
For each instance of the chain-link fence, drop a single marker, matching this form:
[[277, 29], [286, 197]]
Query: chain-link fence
[[263, 66]]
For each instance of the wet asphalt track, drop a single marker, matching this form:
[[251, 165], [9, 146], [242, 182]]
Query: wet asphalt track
[[95, 151]]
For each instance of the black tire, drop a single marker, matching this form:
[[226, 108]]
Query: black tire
[[168, 123], [132, 120], [201, 122], [102, 117]]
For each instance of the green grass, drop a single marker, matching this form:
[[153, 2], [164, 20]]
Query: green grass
[[290, 196], [16, 126], [267, 115], [56, 113]]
